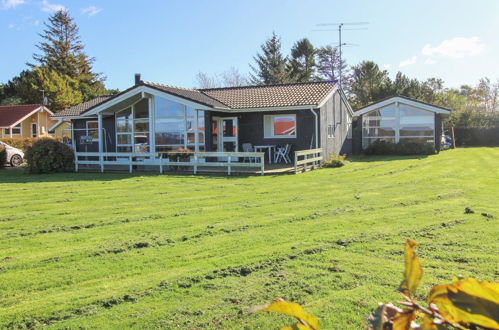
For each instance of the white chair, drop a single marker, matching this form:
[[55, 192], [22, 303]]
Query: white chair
[[282, 154], [247, 147]]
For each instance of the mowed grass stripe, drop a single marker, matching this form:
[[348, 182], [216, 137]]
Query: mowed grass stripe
[[308, 211]]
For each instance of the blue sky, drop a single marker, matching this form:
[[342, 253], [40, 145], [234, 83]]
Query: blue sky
[[170, 41]]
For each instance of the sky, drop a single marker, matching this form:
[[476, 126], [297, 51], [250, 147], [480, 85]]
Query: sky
[[170, 41]]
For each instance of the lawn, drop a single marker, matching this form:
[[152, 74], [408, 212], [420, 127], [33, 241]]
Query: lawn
[[88, 250]]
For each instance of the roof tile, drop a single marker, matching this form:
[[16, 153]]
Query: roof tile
[[10, 114]]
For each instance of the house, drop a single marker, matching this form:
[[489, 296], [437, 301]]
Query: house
[[150, 117], [26, 120], [398, 119], [61, 129]]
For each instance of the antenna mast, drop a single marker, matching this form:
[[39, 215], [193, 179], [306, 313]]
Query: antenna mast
[[340, 29]]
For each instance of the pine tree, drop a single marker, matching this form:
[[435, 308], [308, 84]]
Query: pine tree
[[63, 59], [270, 65], [301, 66], [368, 84]]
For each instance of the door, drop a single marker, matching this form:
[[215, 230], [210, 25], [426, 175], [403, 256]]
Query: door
[[225, 132], [34, 130]]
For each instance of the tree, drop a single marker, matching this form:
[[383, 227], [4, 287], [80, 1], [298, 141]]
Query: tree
[[229, 78], [368, 84], [270, 67], [329, 63], [233, 78], [62, 58], [301, 66]]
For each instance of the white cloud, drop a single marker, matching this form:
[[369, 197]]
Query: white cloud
[[11, 26], [36, 22], [91, 10], [456, 48], [8, 4], [429, 61], [407, 62], [51, 7], [387, 66]]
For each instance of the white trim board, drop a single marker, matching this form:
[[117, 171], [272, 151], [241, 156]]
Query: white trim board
[[402, 100]]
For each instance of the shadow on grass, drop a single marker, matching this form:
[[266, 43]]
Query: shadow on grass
[[19, 175], [378, 158]]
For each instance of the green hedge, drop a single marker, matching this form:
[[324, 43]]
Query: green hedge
[[401, 148], [48, 155]]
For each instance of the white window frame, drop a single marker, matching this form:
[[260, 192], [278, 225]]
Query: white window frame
[[271, 135], [10, 131], [94, 139]]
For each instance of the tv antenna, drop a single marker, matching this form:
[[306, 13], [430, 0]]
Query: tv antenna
[[339, 28]]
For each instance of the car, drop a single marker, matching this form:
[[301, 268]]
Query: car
[[15, 157]]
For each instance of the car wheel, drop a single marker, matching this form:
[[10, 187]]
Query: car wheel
[[16, 160]]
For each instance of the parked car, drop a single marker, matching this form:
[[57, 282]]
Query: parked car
[[15, 157]]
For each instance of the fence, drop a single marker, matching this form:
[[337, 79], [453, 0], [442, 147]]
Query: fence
[[164, 161], [308, 159]]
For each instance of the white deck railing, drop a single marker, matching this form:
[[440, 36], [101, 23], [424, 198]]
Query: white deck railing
[[196, 160], [307, 159]]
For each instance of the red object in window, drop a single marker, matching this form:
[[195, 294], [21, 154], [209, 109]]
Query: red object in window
[[284, 126]]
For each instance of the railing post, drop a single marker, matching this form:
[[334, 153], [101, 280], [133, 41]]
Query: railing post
[[296, 161], [262, 165], [229, 159], [76, 161], [130, 163], [161, 163], [195, 167]]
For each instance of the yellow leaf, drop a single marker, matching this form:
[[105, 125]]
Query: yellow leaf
[[297, 326], [468, 302], [402, 321], [413, 271], [284, 307]]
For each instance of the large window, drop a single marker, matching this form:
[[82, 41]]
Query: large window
[[175, 126], [280, 126], [395, 123], [124, 130], [92, 130], [132, 128]]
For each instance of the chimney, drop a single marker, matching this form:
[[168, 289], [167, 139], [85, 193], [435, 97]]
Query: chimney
[[137, 79]]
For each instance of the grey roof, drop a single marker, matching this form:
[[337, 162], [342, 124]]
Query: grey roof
[[80, 108], [190, 94], [231, 98], [265, 96]]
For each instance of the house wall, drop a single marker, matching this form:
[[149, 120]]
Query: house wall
[[251, 129], [62, 130], [334, 113], [438, 131]]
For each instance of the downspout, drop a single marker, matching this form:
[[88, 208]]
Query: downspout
[[316, 127]]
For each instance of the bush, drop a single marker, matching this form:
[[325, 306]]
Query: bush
[[335, 161], [3, 157], [48, 155], [401, 148], [23, 143]]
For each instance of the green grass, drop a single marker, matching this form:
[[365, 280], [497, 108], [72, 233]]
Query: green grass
[[86, 250]]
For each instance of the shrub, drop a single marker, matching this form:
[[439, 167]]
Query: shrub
[[48, 155], [335, 161], [23, 143], [401, 148], [3, 157]]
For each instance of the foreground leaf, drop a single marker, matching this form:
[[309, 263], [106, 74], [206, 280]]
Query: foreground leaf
[[402, 321], [413, 271], [468, 302], [306, 320]]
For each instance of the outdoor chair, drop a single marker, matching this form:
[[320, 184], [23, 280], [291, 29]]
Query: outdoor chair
[[282, 154], [248, 147]]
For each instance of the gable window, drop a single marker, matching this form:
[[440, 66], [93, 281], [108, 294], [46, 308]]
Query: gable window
[[279, 126], [93, 130]]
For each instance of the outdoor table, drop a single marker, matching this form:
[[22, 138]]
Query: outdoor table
[[270, 148]]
